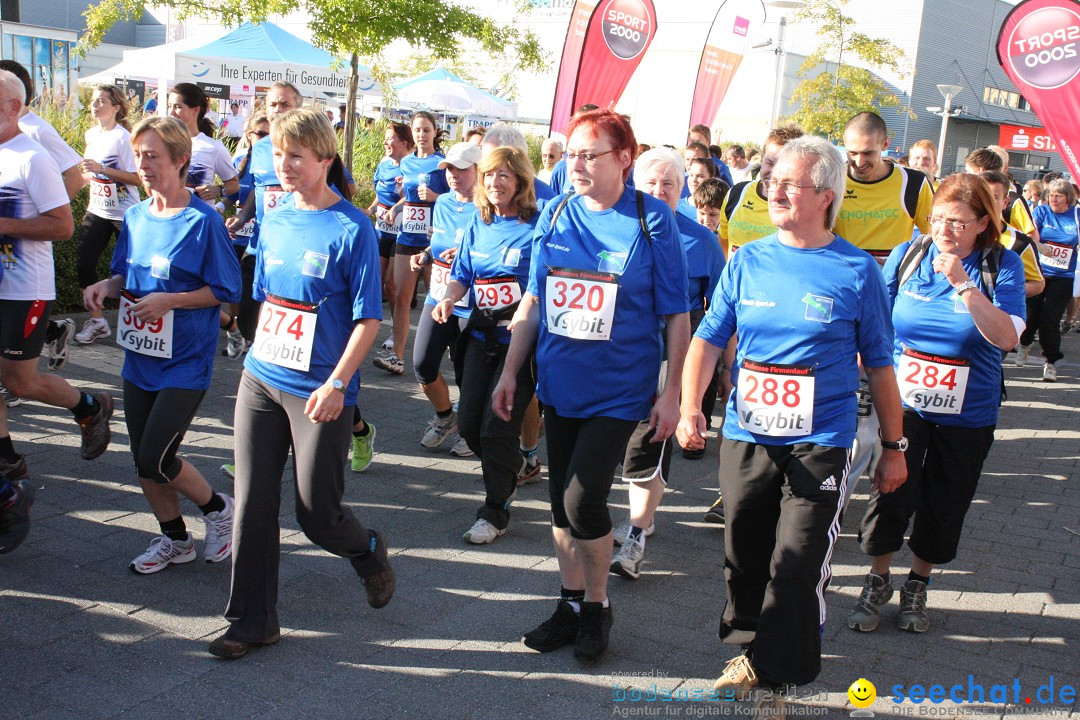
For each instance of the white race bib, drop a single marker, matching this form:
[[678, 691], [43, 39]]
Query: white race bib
[[248, 230], [440, 280], [933, 383], [1059, 257], [383, 226], [154, 339], [496, 293], [272, 197], [580, 304], [416, 219], [775, 400], [286, 332], [103, 195]]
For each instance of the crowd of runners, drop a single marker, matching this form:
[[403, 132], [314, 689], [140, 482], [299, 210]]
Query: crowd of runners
[[835, 315]]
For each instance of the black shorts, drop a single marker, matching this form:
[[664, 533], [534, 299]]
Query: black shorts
[[156, 422], [645, 459], [386, 245], [22, 328], [409, 250]]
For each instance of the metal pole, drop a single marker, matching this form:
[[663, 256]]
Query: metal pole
[[781, 57]]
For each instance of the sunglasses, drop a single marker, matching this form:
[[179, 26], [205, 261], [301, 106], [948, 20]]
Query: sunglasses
[[260, 133]]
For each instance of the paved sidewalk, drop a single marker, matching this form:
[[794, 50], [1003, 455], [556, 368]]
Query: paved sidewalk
[[83, 637]]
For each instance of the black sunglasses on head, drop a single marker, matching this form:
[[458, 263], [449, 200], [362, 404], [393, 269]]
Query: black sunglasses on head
[[261, 133]]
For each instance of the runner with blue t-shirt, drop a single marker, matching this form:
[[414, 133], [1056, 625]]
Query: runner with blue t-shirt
[[952, 317], [805, 304], [604, 274], [316, 274], [492, 266], [453, 213], [422, 184], [172, 267], [1058, 223]]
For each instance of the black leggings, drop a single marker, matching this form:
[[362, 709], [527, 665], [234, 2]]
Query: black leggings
[[247, 317], [1044, 313], [156, 423], [582, 455], [94, 236], [431, 343]]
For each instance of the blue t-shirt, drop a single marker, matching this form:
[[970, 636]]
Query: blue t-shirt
[[585, 258], [1060, 231], [685, 209], [558, 181], [704, 260], [386, 174], [411, 169], [934, 330], [325, 258], [181, 253], [501, 250], [800, 312], [722, 169], [543, 191], [247, 186], [264, 177], [450, 218]]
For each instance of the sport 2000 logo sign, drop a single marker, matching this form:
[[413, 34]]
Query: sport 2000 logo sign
[[1043, 47], [627, 27]]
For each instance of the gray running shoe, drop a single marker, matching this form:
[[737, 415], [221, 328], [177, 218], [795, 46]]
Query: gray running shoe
[[875, 593], [913, 617]]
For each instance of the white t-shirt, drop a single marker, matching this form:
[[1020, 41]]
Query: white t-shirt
[[46, 136], [738, 175], [30, 184], [208, 158], [233, 124], [112, 148]]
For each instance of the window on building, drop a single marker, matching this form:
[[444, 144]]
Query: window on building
[[24, 49], [1004, 98]]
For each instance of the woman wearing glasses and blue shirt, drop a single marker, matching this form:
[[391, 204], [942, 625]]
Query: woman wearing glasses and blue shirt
[[950, 328]]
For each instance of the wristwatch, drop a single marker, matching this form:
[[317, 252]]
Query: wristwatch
[[337, 384], [900, 445], [964, 287]]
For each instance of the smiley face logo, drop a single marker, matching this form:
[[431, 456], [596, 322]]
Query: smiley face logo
[[862, 693]]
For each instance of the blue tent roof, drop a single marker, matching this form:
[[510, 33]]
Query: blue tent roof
[[267, 42]]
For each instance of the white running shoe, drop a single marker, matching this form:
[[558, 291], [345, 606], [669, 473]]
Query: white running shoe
[[461, 448], [10, 399], [219, 527], [388, 343], [623, 530], [1049, 373], [162, 553], [1022, 353], [438, 430], [93, 329], [58, 346], [627, 562], [390, 362], [482, 532], [236, 345]]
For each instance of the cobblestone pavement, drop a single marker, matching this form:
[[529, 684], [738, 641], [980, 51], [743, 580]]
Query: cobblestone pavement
[[82, 637]]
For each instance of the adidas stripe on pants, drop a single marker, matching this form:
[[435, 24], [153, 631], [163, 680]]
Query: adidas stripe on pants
[[782, 509]]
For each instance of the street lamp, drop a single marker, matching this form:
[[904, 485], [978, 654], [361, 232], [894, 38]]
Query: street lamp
[[948, 92], [784, 7]]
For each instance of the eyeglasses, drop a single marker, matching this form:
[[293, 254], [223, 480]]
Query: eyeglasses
[[589, 158], [954, 225], [789, 187]]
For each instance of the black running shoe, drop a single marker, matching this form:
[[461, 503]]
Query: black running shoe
[[557, 631]]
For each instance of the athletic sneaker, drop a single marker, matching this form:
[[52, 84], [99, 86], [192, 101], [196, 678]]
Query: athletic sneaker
[[482, 532], [363, 450], [530, 469], [627, 562], [229, 471], [58, 346], [219, 527], [438, 430], [557, 631], [739, 676], [461, 448], [380, 585], [15, 516], [235, 346], [875, 593], [388, 343], [95, 429], [1022, 353], [623, 530], [390, 362], [715, 513], [593, 632], [1049, 373], [10, 398], [913, 617], [162, 553], [93, 329], [15, 470]]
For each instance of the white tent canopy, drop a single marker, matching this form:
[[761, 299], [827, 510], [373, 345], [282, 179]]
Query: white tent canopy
[[442, 90]]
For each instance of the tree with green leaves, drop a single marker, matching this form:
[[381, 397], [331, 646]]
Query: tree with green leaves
[[827, 99], [354, 29]]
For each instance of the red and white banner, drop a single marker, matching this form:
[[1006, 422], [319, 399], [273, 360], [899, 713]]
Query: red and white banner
[[1026, 139], [1039, 48], [725, 46], [563, 107], [619, 33]]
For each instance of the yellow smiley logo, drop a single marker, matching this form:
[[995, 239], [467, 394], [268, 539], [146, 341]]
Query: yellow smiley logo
[[862, 693]]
